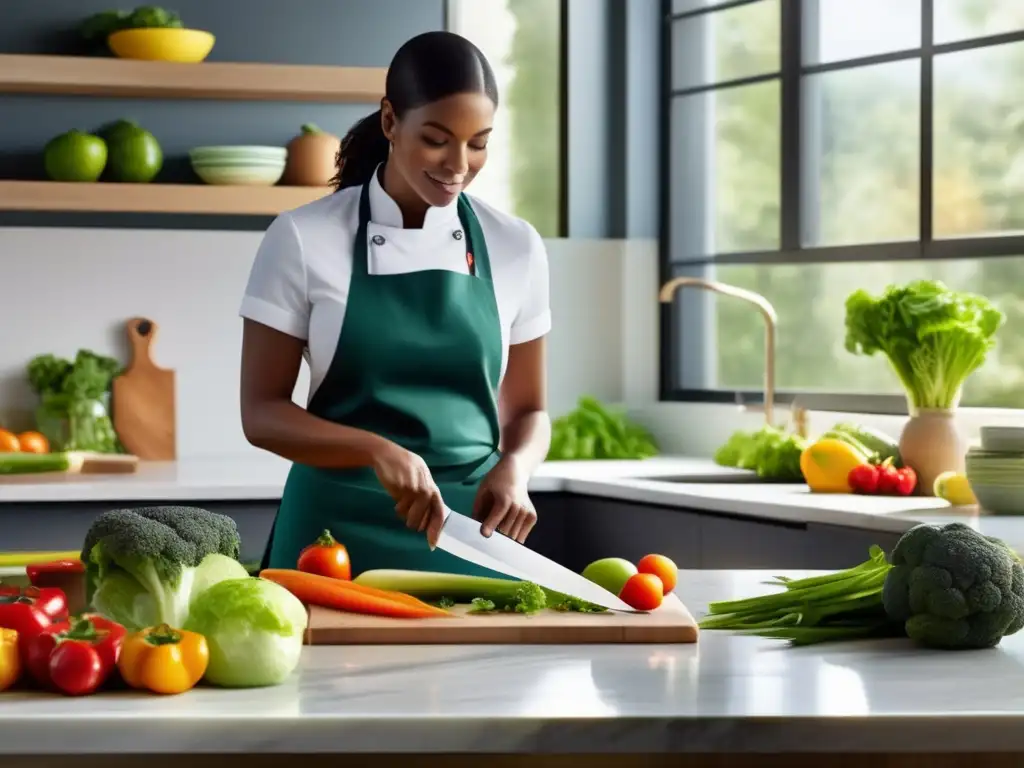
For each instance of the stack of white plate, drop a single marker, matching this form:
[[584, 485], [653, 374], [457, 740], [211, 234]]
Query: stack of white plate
[[995, 470], [239, 165]]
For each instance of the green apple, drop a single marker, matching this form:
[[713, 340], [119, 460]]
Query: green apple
[[610, 572]]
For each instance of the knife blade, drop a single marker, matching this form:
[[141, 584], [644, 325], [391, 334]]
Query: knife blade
[[461, 536]]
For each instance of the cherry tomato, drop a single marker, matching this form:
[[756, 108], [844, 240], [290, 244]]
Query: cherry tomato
[[662, 567], [33, 442], [326, 557], [76, 668], [642, 591]]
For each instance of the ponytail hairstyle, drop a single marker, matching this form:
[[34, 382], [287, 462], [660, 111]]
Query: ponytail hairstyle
[[427, 68]]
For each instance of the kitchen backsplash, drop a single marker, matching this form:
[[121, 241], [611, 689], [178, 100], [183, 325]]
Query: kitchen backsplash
[[67, 289]]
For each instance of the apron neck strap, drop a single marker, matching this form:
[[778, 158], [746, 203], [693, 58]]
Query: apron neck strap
[[360, 249], [476, 246]]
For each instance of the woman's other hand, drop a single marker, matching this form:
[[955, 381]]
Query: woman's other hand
[[503, 504]]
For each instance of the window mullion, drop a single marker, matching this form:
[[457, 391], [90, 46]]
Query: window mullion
[[926, 158], [791, 193]]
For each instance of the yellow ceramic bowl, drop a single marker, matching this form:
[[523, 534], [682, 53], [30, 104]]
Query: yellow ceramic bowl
[[158, 44]]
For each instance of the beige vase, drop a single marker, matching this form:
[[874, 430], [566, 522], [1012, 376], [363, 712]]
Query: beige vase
[[931, 443], [311, 157]]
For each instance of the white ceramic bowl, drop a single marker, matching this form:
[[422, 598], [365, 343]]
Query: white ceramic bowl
[[241, 174], [1002, 439], [238, 152]]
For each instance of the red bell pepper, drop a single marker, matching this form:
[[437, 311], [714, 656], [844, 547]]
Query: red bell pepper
[[35, 570], [75, 656], [863, 479], [29, 610]]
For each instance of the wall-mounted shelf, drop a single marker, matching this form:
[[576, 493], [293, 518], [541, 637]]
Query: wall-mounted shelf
[[52, 196], [97, 76]]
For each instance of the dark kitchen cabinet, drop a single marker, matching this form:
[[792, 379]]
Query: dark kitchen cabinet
[[744, 543], [600, 527], [45, 526], [571, 529], [834, 547]]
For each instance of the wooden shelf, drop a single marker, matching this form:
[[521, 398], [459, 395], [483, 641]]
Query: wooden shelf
[[89, 76], [52, 196]]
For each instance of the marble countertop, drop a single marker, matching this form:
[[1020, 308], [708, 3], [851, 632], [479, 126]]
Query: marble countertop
[[725, 694], [261, 476], [674, 481]]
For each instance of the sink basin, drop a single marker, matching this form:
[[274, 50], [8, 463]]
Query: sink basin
[[711, 479]]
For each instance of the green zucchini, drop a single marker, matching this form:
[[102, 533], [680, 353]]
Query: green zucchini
[[876, 441], [26, 463], [448, 588], [429, 585]]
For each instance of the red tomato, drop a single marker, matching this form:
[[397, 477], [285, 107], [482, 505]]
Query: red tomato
[[76, 668], [662, 567], [326, 557], [642, 591]]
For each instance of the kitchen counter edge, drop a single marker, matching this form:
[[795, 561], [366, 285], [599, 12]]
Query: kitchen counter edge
[[673, 481]]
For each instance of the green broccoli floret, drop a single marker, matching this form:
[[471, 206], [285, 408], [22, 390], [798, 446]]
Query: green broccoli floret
[[145, 566], [953, 587]]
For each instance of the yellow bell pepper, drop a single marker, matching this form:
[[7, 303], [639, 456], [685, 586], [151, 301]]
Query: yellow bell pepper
[[164, 660], [10, 661], [826, 465]]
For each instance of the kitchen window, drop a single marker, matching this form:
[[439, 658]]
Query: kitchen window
[[818, 146], [523, 41]]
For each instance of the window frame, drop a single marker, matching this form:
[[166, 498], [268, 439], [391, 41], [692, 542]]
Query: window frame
[[790, 76], [448, 14]]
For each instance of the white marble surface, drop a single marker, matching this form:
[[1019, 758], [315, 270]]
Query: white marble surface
[[680, 481], [261, 476], [724, 694]]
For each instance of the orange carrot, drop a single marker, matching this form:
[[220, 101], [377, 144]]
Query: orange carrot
[[314, 589], [386, 594]]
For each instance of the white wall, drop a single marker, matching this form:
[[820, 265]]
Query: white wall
[[68, 288], [65, 289]]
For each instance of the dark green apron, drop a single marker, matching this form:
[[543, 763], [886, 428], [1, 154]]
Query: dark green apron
[[418, 361]]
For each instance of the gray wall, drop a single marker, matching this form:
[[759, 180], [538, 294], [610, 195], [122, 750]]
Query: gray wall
[[612, 105], [329, 32]]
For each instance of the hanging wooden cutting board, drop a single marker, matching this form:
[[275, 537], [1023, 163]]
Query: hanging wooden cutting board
[[144, 399], [671, 623]]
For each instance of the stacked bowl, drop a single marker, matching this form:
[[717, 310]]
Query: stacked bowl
[[239, 165], [995, 470]]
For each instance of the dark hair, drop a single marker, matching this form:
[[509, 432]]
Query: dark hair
[[427, 68]]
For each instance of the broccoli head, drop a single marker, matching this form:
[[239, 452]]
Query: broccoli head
[[144, 566], [953, 587]]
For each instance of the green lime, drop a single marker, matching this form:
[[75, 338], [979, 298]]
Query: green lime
[[75, 156]]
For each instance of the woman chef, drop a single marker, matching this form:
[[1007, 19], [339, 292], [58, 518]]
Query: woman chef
[[421, 313]]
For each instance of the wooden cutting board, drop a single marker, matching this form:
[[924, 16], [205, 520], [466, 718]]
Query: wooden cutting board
[[144, 399], [671, 623]]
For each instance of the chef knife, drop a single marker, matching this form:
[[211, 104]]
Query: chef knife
[[461, 536]]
